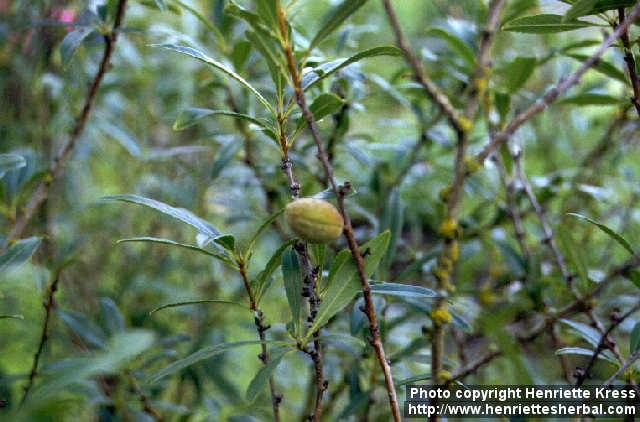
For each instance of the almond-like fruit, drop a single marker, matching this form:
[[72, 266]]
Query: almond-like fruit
[[314, 220]]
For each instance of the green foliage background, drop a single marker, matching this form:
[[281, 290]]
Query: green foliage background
[[387, 139]]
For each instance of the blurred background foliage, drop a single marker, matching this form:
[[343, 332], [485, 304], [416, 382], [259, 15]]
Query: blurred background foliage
[[386, 138]]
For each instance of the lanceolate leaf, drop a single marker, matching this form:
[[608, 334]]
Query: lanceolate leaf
[[334, 19], [180, 245], [603, 67], [259, 232], [457, 45], [324, 105], [194, 302], [588, 98], [181, 214], [579, 8], [263, 281], [585, 352], [72, 41], [544, 24], [190, 51], [224, 156], [344, 283], [589, 334], [402, 290], [266, 371], [190, 116], [327, 69], [293, 279], [615, 236], [202, 354], [18, 253], [10, 162]]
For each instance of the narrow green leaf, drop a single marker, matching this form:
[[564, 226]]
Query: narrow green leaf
[[190, 51], [335, 18], [344, 283], [293, 279], [261, 379], [414, 379], [516, 8], [456, 44], [119, 351], [589, 98], [402, 290], [16, 316], [324, 105], [241, 52], [544, 24], [190, 116], [180, 214], [603, 67], [9, 162], [263, 281], [574, 254], [615, 236], [85, 328], [517, 72], [227, 241], [589, 334], [194, 302], [261, 229], [584, 352], [224, 157], [18, 253], [112, 318], [169, 242], [202, 354], [72, 41], [326, 69], [634, 338], [579, 8]]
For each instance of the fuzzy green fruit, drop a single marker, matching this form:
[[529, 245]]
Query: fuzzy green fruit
[[314, 220]]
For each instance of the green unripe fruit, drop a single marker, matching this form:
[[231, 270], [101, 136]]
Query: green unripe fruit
[[314, 220]]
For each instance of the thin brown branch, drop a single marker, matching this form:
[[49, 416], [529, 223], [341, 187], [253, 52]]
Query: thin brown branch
[[261, 328], [144, 400], [56, 169], [549, 237], [632, 359], [310, 291], [604, 344], [49, 305], [631, 64], [340, 193], [560, 88], [432, 90]]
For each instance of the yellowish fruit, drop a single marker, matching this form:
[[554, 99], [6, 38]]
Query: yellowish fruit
[[314, 220]]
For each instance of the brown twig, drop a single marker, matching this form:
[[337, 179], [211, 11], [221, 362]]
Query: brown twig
[[144, 400], [340, 193], [603, 344], [261, 327], [549, 237], [634, 357], [310, 291], [560, 88], [432, 90], [56, 169], [49, 305], [631, 64]]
